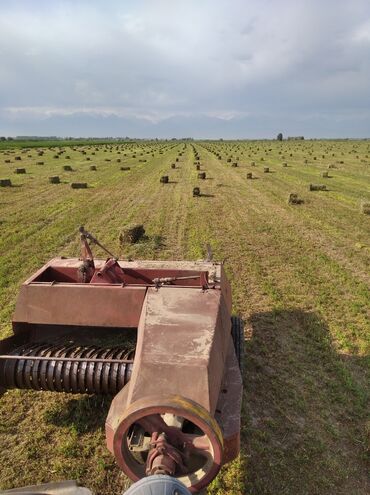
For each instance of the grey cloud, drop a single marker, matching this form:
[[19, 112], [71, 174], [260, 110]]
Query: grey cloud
[[217, 66]]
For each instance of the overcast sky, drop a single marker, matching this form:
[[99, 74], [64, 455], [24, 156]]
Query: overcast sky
[[171, 68]]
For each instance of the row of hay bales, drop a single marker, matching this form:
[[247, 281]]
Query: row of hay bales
[[6, 182], [293, 197], [133, 233], [326, 152], [164, 179]]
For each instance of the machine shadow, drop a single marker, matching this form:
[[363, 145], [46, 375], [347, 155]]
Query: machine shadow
[[85, 413], [298, 395]]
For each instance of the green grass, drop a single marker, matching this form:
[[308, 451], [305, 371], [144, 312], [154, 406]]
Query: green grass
[[300, 279]]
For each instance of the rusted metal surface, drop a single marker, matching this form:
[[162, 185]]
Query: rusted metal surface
[[229, 405], [181, 332], [163, 457], [184, 338], [206, 443], [107, 306], [176, 405]]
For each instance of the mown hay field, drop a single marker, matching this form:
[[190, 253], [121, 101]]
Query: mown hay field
[[300, 279]]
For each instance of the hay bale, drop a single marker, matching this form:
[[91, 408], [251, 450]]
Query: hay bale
[[229, 160], [285, 164], [201, 175], [293, 199], [79, 185], [196, 191], [235, 164], [67, 157], [5, 183], [253, 164], [20, 170], [173, 165], [93, 168], [125, 168], [67, 168], [164, 179], [7, 161], [365, 207], [177, 159], [54, 179], [56, 156], [39, 163], [249, 175], [266, 170], [317, 187], [332, 165], [118, 160], [18, 158], [325, 175], [197, 167], [131, 234], [88, 158]]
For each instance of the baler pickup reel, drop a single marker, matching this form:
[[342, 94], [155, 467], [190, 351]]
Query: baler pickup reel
[[156, 335]]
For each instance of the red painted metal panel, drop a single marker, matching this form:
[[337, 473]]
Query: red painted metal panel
[[83, 305]]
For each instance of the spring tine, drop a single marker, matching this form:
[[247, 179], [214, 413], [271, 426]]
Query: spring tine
[[19, 372], [33, 373], [78, 376], [73, 373], [106, 372], [113, 373], [90, 372], [58, 371], [98, 376], [43, 369], [67, 368], [81, 378]]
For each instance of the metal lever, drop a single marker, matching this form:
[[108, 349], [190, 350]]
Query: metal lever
[[92, 239]]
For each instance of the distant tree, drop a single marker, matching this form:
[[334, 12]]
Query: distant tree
[[10, 139], [2, 138], [280, 136]]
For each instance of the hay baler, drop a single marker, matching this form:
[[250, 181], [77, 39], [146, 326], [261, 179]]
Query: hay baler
[[158, 336]]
